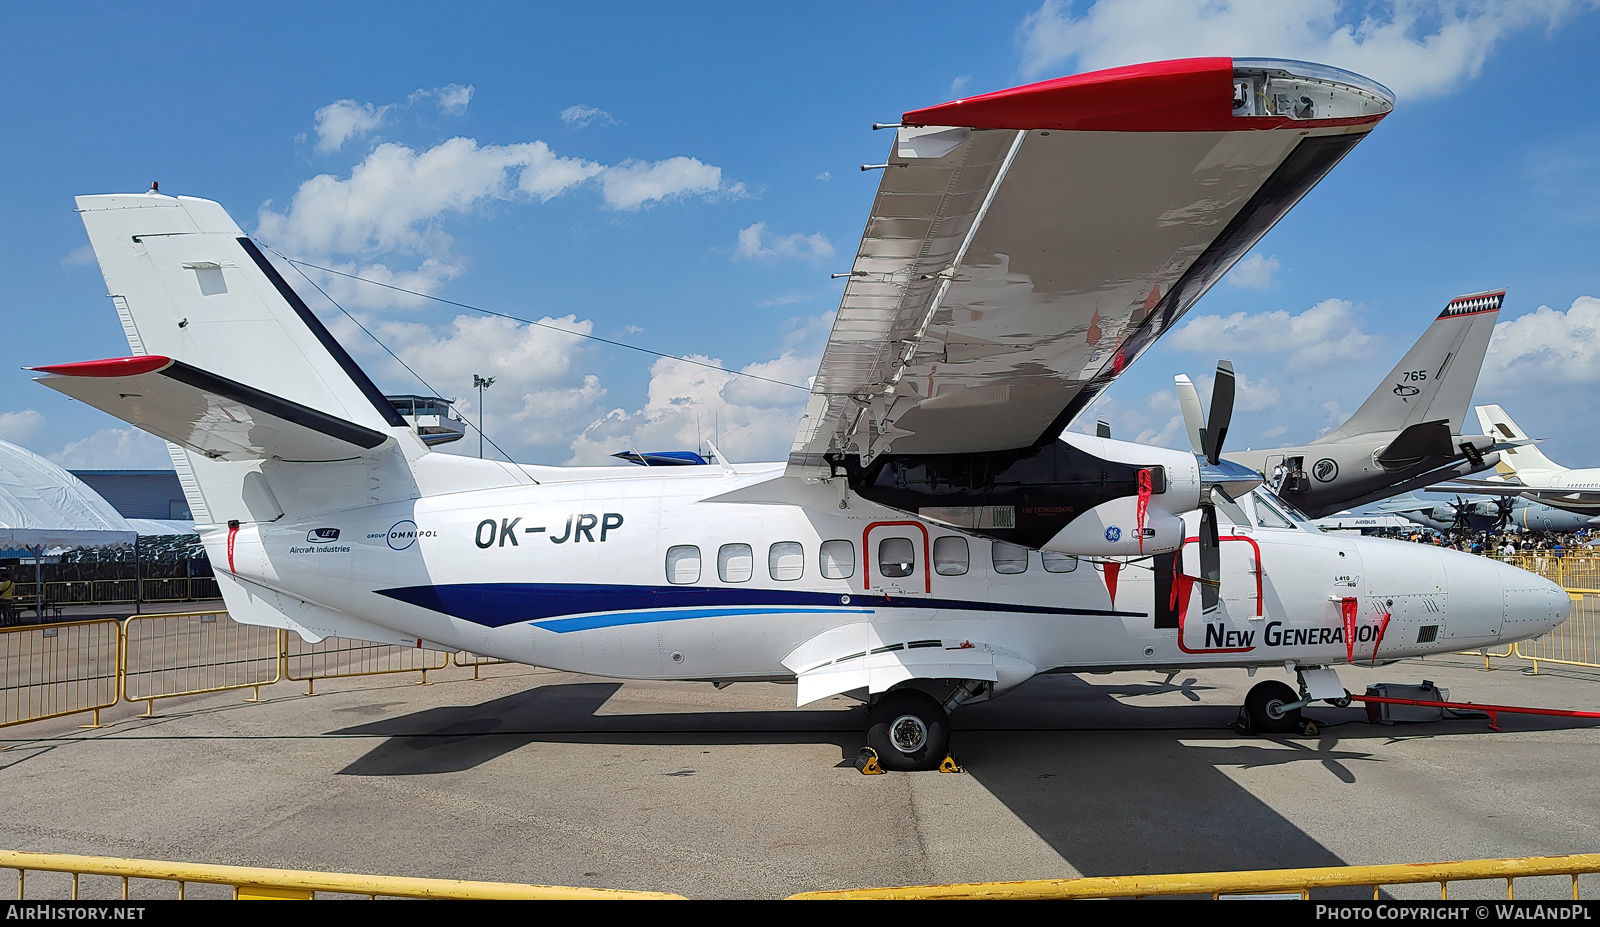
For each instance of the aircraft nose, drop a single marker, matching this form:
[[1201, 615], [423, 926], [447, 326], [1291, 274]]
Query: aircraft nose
[[1533, 606]]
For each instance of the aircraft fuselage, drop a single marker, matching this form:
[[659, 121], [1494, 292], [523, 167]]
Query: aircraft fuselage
[[640, 578]]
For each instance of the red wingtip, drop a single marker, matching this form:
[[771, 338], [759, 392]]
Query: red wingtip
[[111, 367], [1188, 94]]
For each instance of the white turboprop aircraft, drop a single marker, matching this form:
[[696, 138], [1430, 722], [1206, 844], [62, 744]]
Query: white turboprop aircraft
[[936, 536]]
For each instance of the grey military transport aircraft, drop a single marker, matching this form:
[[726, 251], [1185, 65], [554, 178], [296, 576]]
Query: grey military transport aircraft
[[1405, 436]]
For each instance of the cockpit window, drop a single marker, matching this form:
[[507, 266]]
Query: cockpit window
[[1268, 516]]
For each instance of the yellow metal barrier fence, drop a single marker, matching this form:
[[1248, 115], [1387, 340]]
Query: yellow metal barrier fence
[[1575, 643], [1222, 884], [249, 882], [335, 657], [188, 653], [47, 671]]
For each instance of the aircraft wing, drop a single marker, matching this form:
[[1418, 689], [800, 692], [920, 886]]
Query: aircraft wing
[[209, 413], [1026, 246]]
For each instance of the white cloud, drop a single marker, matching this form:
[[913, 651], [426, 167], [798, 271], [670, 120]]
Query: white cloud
[[960, 84], [1253, 273], [541, 395], [342, 120], [17, 427], [754, 243], [1545, 348], [452, 99], [81, 256], [752, 420], [634, 183], [1417, 49], [825, 176], [1328, 331], [115, 449], [581, 115]]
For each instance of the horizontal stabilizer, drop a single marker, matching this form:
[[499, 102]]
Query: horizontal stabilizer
[[208, 413], [1424, 439]]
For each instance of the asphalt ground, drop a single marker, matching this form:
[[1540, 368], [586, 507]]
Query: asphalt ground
[[530, 775]]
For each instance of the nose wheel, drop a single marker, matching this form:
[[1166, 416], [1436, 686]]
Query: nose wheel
[[1264, 708], [909, 730]]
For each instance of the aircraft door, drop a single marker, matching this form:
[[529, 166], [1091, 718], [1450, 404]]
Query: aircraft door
[[897, 558]]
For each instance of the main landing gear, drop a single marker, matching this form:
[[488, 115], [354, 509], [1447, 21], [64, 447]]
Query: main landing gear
[[909, 730]]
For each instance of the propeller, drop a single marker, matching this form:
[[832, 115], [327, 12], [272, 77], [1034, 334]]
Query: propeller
[[1463, 512], [1504, 507], [1217, 476]]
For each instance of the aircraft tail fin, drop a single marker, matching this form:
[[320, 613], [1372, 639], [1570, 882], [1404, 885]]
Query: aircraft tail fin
[[230, 366], [1526, 456], [1435, 379], [189, 285]]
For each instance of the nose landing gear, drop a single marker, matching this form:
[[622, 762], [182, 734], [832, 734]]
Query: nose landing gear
[[1267, 709]]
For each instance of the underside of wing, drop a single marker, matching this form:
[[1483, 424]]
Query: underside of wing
[[1026, 246], [209, 413]]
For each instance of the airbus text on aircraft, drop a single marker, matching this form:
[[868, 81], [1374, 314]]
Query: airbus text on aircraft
[[935, 537], [1405, 436], [1526, 472]]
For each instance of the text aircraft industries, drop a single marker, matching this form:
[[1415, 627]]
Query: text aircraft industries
[[1405, 436], [936, 536], [1525, 471]]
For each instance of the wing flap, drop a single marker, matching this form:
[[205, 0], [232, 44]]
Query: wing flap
[[208, 413]]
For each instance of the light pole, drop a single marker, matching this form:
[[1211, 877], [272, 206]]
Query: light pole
[[481, 383]]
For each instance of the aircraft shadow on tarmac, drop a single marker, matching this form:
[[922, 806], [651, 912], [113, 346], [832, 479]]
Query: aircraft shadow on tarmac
[[443, 740], [1113, 786]]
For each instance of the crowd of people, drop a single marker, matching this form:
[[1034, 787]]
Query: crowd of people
[[1528, 543]]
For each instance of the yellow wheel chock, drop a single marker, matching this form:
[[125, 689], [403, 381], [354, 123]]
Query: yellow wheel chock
[[867, 762], [950, 765]]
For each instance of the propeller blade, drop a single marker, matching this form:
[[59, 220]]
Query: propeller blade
[[1221, 411], [1189, 402], [1210, 557]]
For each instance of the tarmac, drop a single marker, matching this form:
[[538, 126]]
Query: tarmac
[[529, 775]]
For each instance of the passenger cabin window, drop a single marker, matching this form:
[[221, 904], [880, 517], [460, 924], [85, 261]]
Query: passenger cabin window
[[786, 561], [950, 557], [837, 559], [1058, 563], [683, 564], [897, 557], [1009, 558], [735, 563]]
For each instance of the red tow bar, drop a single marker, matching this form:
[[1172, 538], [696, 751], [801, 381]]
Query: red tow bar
[[1493, 711]]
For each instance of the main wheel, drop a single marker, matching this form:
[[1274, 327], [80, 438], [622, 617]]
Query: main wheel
[[909, 730], [1264, 707]]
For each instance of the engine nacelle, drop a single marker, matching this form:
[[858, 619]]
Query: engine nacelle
[[1078, 495]]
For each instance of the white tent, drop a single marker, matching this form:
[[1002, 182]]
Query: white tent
[[43, 506]]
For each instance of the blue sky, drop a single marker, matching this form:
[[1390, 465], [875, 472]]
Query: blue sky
[[684, 177]]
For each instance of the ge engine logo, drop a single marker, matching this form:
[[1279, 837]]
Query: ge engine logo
[[1325, 470], [1113, 534]]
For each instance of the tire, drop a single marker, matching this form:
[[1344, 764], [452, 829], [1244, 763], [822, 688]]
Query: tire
[[909, 730], [1264, 707]]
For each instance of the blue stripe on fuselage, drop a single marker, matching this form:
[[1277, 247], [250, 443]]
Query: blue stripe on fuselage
[[616, 619], [495, 605]]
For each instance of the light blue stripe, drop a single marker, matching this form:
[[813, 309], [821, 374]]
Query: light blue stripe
[[617, 619]]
